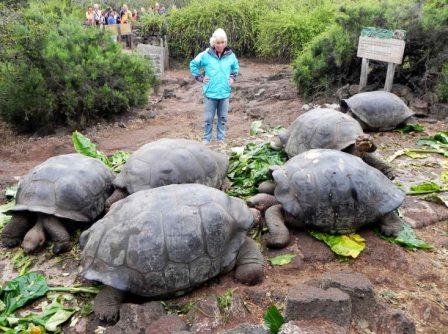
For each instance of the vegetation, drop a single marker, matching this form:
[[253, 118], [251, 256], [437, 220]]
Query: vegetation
[[55, 71]]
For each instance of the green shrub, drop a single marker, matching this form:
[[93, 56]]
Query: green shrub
[[190, 28], [285, 32], [58, 72], [152, 25], [330, 58]]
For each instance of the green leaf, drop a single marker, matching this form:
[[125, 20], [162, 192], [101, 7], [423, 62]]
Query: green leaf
[[85, 146], [21, 290], [345, 245], [281, 260], [273, 319], [444, 177], [61, 316], [426, 187], [412, 128], [408, 238], [5, 219], [415, 155], [118, 159], [255, 128]]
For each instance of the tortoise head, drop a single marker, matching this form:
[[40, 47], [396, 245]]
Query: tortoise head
[[33, 240], [364, 143]]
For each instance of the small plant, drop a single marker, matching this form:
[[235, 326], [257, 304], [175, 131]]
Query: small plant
[[273, 319], [225, 300]]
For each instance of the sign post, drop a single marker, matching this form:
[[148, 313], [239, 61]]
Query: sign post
[[383, 45]]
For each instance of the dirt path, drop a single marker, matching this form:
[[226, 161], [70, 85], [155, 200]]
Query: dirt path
[[416, 282], [261, 91]]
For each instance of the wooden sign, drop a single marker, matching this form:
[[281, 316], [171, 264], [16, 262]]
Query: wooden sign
[[113, 28], [383, 45], [388, 50], [125, 29]]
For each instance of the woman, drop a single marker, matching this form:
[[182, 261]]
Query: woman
[[220, 68], [89, 16]]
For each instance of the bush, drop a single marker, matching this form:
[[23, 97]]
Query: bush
[[58, 72], [189, 28], [442, 84], [285, 32]]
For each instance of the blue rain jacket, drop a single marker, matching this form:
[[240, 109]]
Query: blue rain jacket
[[219, 70]]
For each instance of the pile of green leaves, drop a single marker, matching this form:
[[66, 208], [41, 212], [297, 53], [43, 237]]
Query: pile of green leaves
[[407, 239], [27, 288], [249, 166], [411, 128], [345, 245], [85, 146], [5, 219]]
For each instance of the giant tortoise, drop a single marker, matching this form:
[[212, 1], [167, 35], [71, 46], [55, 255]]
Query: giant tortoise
[[330, 191], [377, 111], [169, 161], [72, 187], [165, 241], [332, 129]]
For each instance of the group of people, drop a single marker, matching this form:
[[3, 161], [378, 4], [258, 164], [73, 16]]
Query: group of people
[[95, 16]]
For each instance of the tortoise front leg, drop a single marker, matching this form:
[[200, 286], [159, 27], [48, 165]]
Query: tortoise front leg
[[35, 238], [58, 233], [267, 187], [278, 236], [262, 201], [391, 224], [249, 263], [379, 164], [15, 230], [107, 304]]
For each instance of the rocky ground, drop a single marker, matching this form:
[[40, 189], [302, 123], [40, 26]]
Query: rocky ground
[[388, 288]]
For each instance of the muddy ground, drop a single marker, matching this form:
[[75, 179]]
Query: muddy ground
[[413, 281]]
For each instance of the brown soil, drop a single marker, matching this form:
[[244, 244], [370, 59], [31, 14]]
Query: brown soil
[[414, 281]]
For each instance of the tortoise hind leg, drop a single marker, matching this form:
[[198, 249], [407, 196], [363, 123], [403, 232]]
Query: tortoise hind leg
[[34, 239], [249, 263], [107, 304], [58, 233], [15, 230]]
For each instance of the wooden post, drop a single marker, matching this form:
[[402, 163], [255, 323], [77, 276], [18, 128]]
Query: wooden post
[[389, 77], [364, 73]]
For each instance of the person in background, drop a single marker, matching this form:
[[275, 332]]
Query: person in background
[[150, 10], [220, 68], [162, 10], [112, 18], [156, 8], [89, 16], [97, 16], [125, 14], [135, 15], [142, 11]]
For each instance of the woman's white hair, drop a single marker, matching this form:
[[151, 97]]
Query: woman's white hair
[[218, 36]]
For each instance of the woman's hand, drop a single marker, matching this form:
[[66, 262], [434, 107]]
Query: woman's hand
[[206, 79], [231, 81]]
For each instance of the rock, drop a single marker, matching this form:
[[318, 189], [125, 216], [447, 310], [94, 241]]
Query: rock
[[439, 110], [400, 90], [353, 90], [206, 316], [333, 106], [260, 93], [369, 88], [313, 250], [168, 93], [237, 310], [246, 329], [167, 324], [420, 213], [305, 302], [394, 322], [136, 318], [343, 92], [307, 107], [277, 76], [357, 286], [420, 107], [311, 327]]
